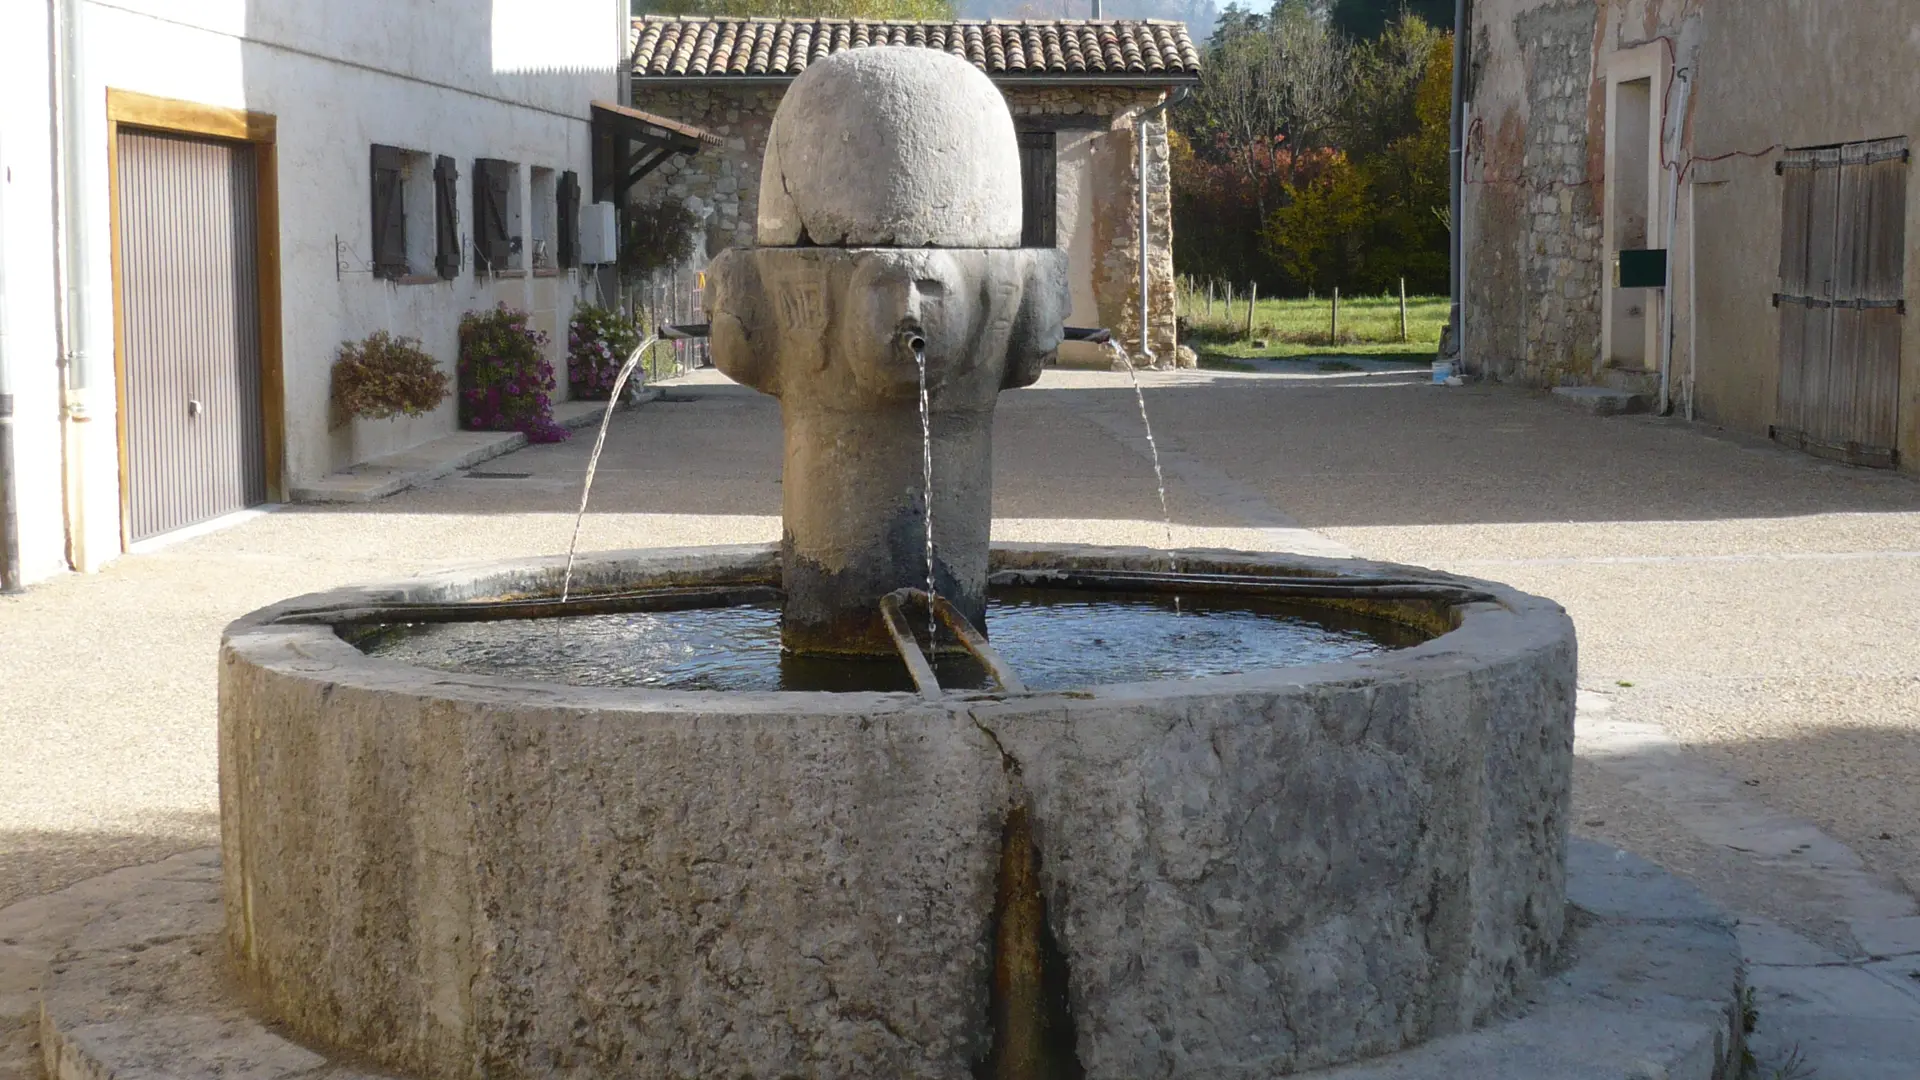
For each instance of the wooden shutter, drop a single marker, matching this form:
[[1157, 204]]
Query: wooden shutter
[[567, 220], [1037, 173], [389, 214], [446, 216], [492, 249]]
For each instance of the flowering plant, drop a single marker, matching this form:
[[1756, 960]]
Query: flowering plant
[[598, 343], [382, 376], [506, 383]]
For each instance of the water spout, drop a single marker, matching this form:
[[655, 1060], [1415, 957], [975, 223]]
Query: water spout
[[919, 346], [1153, 448], [593, 461]]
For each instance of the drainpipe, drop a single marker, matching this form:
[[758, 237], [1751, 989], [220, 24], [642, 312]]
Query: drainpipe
[[1456, 174], [1693, 298], [1671, 145], [73, 269], [1146, 220], [9, 490]]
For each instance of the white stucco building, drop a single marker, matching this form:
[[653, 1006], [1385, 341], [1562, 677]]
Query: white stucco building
[[203, 174]]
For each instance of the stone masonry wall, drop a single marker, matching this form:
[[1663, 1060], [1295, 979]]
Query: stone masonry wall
[[1535, 156], [1536, 170], [721, 184], [1115, 216]]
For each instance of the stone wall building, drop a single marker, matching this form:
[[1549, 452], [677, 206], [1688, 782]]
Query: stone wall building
[[1076, 89], [1761, 147]]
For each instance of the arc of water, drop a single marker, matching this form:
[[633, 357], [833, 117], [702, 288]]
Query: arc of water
[[1153, 449], [926, 468], [593, 462]]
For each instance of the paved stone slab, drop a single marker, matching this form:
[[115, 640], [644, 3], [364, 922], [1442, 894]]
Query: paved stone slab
[[1651, 997], [229, 1047], [1836, 1047], [1615, 884], [1765, 942], [384, 476], [1601, 400], [1897, 936]]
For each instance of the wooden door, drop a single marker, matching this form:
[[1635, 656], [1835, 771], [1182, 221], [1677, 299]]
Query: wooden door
[[1842, 300], [1039, 170]]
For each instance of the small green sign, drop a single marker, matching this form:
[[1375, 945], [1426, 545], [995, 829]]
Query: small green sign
[[1640, 268]]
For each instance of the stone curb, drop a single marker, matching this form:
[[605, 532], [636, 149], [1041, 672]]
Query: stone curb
[[394, 473], [1650, 990]]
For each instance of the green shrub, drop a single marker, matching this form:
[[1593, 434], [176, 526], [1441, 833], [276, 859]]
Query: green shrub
[[653, 237], [382, 376]]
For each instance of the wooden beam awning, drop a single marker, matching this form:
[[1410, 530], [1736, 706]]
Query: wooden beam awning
[[628, 144]]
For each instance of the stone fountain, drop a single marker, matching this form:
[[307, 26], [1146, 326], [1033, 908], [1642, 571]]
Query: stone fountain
[[458, 873], [889, 226]]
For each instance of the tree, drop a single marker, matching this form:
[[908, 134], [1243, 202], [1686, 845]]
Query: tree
[[1364, 20], [1269, 81], [1384, 75], [1219, 213], [1319, 238], [1366, 221]]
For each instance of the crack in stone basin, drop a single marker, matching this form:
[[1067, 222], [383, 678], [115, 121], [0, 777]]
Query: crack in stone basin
[[1055, 639]]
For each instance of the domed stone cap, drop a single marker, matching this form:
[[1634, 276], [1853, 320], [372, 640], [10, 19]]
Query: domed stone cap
[[891, 146]]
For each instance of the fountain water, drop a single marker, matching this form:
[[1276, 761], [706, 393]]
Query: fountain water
[[593, 459], [926, 488], [1320, 817], [1153, 449]]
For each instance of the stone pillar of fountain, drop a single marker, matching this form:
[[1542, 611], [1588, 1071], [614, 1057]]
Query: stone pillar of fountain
[[889, 222]]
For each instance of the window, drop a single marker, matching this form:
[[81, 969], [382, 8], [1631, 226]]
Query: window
[[1037, 172], [417, 213], [568, 218], [389, 213], [409, 202], [446, 218], [546, 205], [496, 216]]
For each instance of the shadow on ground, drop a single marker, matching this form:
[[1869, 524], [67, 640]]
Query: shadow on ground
[[33, 862]]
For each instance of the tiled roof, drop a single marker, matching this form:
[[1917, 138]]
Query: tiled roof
[[1140, 50]]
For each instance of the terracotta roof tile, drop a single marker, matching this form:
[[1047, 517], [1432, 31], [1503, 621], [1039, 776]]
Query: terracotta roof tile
[[683, 46]]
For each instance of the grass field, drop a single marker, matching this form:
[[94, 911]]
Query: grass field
[[1369, 326]]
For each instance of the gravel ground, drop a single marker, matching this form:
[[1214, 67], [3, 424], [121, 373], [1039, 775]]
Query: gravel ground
[[1763, 607]]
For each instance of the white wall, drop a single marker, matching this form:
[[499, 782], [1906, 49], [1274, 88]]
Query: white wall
[[1073, 216], [509, 79], [26, 194]]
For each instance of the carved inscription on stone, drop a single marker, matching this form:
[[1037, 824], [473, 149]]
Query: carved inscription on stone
[[803, 305]]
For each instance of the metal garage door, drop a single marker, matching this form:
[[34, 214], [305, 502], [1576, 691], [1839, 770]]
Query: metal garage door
[[190, 319]]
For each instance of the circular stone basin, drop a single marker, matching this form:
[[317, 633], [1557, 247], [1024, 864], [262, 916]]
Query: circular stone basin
[[464, 875]]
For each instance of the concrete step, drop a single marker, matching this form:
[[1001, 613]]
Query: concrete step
[[384, 476], [1604, 401]]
